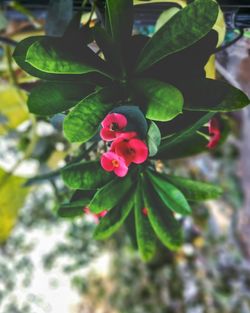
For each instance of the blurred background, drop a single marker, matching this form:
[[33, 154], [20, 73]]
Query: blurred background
[[51, 265]]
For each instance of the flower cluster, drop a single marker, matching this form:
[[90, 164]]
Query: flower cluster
[[126, 147]]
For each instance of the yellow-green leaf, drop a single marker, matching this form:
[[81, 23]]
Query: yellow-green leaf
[[13, 109], [12, 197]]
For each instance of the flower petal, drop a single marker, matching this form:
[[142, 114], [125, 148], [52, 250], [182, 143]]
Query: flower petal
[[122, 170], [107, 134], [106, 161], [141, 150], [115, 118]]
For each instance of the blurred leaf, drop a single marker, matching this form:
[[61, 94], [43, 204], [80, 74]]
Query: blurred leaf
[[50, 98], [195, 190], [12, 197], [3, 21], [220, 97], [172, 197], [60, 13], [85, 175], [83, 121], [184, 29], [153, 139], [167, 229], [114, 219], [164, 101], [12, 107], [111, 194], [146, 238]]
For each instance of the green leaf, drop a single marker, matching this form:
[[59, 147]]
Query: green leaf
[[3, 21], [165, 17], [111, 194], [185, 134], [114, 219], [83, 121], [167, 229], [153, 139], [74, 207], [220, 97], [131, 230], [85, 175], [55, 56], [193, 144], [195, 190], [50, 98], [172, 197], [109, 49], [120, 19], [183, 30], [164, 101], [144, 233], [19, 56]]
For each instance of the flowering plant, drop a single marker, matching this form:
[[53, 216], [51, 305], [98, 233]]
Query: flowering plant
[[145, 99]]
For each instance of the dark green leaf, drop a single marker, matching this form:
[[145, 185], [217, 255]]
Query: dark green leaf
[[172, 197], [85, 175], [193, 144], [130, 228], [75, 206], [55, 56], [164, 101], [19, 56], [195, 190], [60, 12], [111, 194], [109, 49], [135, 117], [167, 229], [145, 236], [153, 139], [114, 219], [214, 95], [83, 121], [183, 30], [185, 134], [119, 19], [50, 98]]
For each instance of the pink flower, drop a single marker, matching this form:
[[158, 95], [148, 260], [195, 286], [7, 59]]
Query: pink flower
[[131, 149], [110, 161], [215, 134], [113, 125]]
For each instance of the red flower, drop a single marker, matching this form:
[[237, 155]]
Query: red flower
[[131, 149], [113, 162], [113, 125], [95, 216], [215, 134], [145, 211]]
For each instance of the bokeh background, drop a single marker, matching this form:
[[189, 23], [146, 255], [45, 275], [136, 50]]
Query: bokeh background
[[51, 265]]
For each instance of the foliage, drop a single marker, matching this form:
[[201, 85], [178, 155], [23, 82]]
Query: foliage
[[163, 77]]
